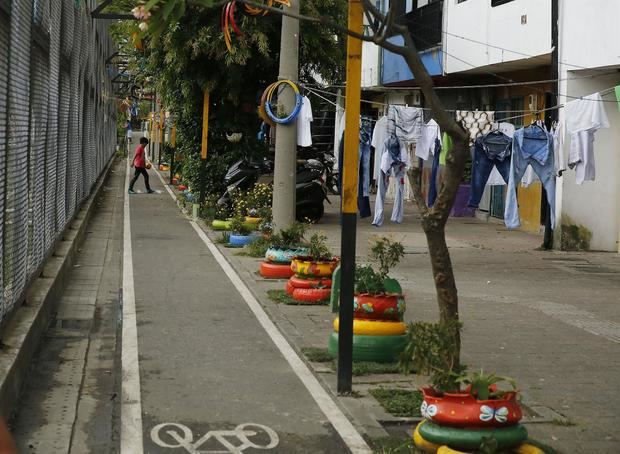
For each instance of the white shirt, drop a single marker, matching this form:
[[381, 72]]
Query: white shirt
[[304, 132], [583, 118], [379, 136], [426, 144]]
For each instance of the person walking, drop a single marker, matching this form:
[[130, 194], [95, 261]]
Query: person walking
[[139, 162]]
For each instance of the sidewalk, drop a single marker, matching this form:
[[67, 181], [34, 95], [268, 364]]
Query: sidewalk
[[547, 319]]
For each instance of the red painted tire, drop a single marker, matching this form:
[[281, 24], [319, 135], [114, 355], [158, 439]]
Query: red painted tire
[[299, 282], [275, 271], [378, 307], [289, 288], [311, 295]]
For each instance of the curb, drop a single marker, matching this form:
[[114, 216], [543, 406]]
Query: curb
[[24, 331]]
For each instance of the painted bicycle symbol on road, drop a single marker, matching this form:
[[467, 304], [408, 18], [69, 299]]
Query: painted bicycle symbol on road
[[180, 436]]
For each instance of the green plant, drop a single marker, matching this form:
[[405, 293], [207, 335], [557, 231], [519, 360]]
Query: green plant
[[399, 402], [368, 281], [317, 248], [281, 297], [430, 350], [317, 355], [258, 248], [480, 384], [239, 226], [387, 254], [224, 238], [259, 197]]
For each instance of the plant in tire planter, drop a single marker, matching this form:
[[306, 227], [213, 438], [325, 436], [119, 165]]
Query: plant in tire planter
[[287, 244], [318, 263], [241, 232]]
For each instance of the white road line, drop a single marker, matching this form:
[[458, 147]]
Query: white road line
[[341, 423], [131, 404]]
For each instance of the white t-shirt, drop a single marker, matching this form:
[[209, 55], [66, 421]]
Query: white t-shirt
[[379, 135], [426, 143], [304, 132]]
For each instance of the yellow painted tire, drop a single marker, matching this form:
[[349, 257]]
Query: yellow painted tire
[[374, 327], [448, 450], [527, 448], [251, 220], [421, 443]]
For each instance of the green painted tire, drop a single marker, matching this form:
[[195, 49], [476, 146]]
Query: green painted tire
[[218, 224], [378, 349], [507, 437]]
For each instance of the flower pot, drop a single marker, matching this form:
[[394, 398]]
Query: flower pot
[[175, 181], [378, 349], [276, 255], [469, 438], [374, 327], [182, 187], [378, 307], [240, 240], [465, 411], [305, 267], [275, 271], [218, 224], [460, 208]]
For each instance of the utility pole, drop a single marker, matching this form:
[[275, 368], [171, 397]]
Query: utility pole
[[349, 198], [203, 150], [552, 100], [285, 165]]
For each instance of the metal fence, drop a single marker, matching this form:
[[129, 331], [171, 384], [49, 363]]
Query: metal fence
[[57, 129]]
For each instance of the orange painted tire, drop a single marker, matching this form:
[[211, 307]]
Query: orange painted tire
[[275, 271], [312, 295], [289, 287], [298, 282]]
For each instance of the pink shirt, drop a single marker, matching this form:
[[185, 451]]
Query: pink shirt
[[138, 158]]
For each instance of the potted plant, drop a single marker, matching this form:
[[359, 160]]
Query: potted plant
[[241, 232], [287, 244], [318, 262], [378, 296]]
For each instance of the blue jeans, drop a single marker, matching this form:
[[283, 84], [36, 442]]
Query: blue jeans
[[480, 170], [364, 172]]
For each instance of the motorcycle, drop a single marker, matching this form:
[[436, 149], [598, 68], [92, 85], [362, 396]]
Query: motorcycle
[[310, 187]]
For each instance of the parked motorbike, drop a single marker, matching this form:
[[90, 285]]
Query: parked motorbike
[[310, 187]]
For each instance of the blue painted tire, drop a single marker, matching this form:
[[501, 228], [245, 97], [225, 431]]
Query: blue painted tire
[[240, 240], [276, 255], [377, 349]]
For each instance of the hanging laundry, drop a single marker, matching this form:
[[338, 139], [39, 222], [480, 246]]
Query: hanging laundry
[[496, 179], [490, 150], [583, 118], [426, 144], [399, 173], [617, 89], [446, 148], [531, 146], [406, 123], [304, 120], [379, 136], [364, 156], [432, 187]]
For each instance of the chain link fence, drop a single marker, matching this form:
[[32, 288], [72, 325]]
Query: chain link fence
[[57, 129]]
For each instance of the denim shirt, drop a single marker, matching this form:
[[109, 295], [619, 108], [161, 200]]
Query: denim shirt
[[533, 143], [496, 145]]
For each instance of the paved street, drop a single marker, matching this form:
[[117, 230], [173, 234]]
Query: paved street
[[208, 363]]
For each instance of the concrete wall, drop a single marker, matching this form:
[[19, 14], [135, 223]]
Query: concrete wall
[[595, 205], [498, 26], [370, 65]]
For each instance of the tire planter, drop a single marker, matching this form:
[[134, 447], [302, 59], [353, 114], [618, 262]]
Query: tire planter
[[283, 255], [275, 271], [304, 267], [220, 225], [182, 187], [506, 437], [240, 240], [299, 282], [527, 448], [374, 327], [252, 220], [378, 349], [465, 411], [312, 295], [289, 288], [421, 443], [379, 307]]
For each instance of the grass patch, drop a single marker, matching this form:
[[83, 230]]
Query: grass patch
[[563, 422], [258, 248], [281, 297], [224, 238], [391, 445], [399, 402], [362, 368], [317, 355], [242, 253]]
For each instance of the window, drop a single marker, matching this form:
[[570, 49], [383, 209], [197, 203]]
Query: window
[[499, 2], [460, 1]]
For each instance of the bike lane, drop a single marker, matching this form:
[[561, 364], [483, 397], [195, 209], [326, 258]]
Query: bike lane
[[211, 378]]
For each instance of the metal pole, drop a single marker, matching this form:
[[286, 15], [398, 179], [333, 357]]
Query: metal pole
[[552, 100], [349, 198], [162, 121], [203, 150], [173, 144], [285, 165]]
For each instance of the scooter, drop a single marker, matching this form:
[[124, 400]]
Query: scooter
[[310, 187]]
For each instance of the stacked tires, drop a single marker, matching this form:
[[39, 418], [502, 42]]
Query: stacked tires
[[311, 282], [277, 263], [379, 334]]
